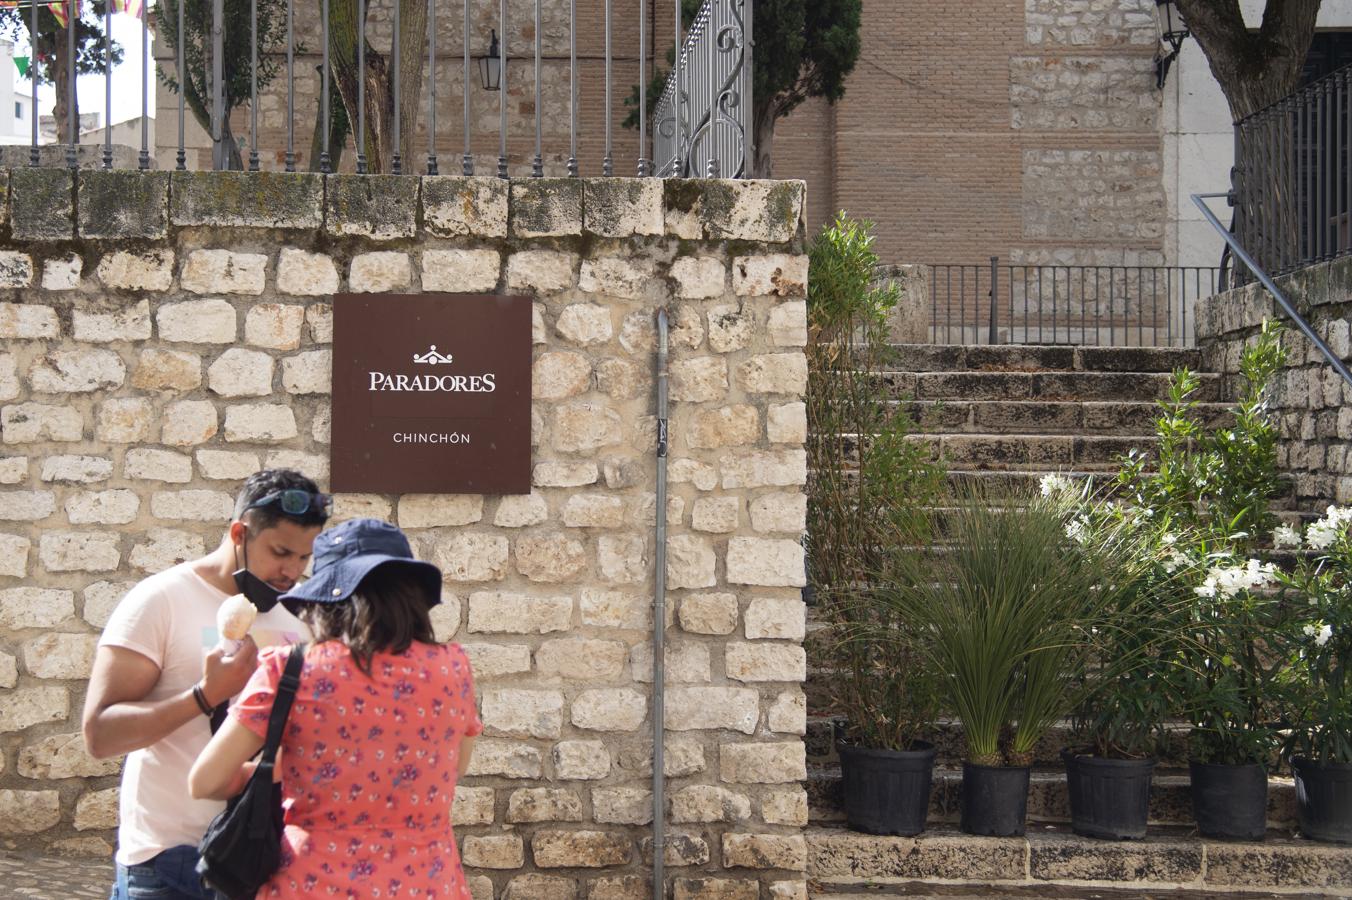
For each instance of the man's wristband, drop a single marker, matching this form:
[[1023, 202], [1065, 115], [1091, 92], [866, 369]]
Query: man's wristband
[[201, 697]]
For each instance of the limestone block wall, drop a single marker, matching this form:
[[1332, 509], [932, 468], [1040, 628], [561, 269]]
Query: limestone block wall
[[163, 336], [1313, 403]]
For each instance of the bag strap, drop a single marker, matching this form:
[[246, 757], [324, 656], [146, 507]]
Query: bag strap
[[281, 704]]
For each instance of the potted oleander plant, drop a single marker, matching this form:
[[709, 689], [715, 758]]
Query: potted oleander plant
[[1008, 610], [1118, 725], [867, 485], [1218, 485], [1318, 741]]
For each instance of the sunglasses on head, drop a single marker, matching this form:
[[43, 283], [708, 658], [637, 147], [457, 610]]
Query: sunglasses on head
[[296, 502]]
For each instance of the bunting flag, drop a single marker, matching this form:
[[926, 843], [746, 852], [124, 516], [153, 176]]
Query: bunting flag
[[58, 8], [135, 8], [22, 63]]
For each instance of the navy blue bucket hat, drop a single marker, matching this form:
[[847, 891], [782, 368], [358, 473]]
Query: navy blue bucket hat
[[348, 552]]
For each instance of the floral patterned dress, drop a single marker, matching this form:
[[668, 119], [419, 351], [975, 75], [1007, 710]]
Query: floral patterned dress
[[368, 771]]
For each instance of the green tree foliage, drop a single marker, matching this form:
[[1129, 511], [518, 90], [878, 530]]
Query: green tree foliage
[[197, 59], [50, 64]]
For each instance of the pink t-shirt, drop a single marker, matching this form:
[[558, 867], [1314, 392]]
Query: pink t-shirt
[[369, 765], [170, 618]]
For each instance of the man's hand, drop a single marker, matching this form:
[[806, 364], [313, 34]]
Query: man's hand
[[225, 676]]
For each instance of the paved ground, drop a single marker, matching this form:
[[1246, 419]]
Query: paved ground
[[53, 878]]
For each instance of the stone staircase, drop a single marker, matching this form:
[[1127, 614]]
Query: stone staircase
[[1014, 414], [1017, 413]]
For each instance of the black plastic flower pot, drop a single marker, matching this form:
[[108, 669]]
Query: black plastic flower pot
[[1109, 798], [994, 799], [1229, 802], [1324, 800], [886, 791]]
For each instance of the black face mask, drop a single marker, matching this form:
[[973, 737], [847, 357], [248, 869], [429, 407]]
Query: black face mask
[[257, 591]]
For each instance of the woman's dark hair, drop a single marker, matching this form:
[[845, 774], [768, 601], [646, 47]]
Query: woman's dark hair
[[388, 612]]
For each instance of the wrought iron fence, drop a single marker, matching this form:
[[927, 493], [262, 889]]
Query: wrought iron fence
[[703, 120], [1292, 185], [397, 86], [1116, 306]]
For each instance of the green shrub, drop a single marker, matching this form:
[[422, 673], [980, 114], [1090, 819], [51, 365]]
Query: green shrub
[[868, 485]]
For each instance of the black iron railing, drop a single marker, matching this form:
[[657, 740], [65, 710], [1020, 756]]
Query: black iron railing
[[1292, 188], [400, 86], [1116, 306]]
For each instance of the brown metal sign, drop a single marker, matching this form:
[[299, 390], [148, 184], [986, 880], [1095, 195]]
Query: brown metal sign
[[431, 393]]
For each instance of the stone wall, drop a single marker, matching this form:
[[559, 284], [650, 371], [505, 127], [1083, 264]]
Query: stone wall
[[165, 336], [1313, 403]]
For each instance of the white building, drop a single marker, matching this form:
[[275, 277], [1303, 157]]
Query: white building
[[16, 101]]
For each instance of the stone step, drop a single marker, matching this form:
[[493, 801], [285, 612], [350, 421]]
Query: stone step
[[1048, 802], [1049, 417], [1044, 386], [1013, 358], [1052, 860], [1037, 452]]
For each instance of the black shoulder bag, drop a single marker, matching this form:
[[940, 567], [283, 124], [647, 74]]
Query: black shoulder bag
[[243, 845]]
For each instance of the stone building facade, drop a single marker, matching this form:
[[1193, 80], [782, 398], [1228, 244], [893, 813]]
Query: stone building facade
[[162, 337]]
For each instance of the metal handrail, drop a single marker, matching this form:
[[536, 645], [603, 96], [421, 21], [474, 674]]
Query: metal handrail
[[1242, 255]]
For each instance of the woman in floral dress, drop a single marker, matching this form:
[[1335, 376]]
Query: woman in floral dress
[[382, 726]]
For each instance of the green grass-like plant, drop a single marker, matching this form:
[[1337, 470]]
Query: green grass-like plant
[[1010, 611]]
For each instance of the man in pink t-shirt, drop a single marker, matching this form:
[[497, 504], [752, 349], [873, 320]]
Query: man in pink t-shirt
[[161, 672]]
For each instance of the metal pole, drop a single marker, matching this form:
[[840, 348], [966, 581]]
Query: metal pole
[[711, 41], [432, 84], [660, 617], [643, 170], [995, 297], [538, 166], [748, 48], [253, 85], [181, 162], [33, 80], [396, 159], [467, 161], [143, 161], [678, 169], [290, 87], [71, 122], [217, 84], [502, 91], [108, 83], [361, 87], [572, 88], [608, 161], [325, 165]]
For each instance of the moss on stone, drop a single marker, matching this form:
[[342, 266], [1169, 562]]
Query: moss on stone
[[42, 204], [546, 206], [782, 206], [123, 203], [247, 199], [382, 206]]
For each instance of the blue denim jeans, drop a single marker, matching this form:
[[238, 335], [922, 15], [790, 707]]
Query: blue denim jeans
[[171, 875]]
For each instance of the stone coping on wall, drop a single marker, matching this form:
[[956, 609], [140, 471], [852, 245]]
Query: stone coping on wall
[[165, 334], [48, 204]]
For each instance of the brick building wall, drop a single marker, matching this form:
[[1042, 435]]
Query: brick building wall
[[1027, 129], [162, 338]]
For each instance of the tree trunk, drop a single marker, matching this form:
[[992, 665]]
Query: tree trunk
[[1254, 69], [764, 116], [378, 102], [61, 79]]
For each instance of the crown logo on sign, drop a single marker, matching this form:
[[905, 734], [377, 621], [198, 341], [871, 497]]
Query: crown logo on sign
[[432, 358]]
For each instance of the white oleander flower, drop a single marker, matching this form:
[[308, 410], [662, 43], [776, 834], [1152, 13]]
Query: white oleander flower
[[1078, 530], [1055, 484], [1284, 536], [1325, 634], [1227, 581], [1325, 533]]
